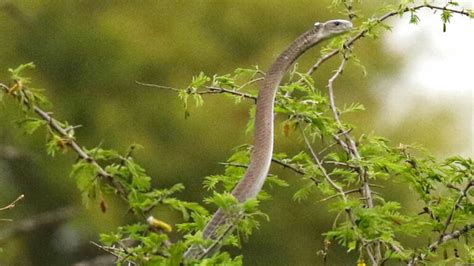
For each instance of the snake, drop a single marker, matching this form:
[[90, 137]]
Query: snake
[[261, 156]]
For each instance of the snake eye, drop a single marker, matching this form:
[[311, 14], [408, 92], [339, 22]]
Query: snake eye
[[337, 23]]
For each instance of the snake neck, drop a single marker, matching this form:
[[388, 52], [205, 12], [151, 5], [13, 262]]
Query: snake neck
[[260, 159]]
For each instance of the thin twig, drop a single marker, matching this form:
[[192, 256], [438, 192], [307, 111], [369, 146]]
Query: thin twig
[[281, 163], [346, 192], [12, 205], [53, 123], [323, 170], [56, 126], [350, 12], [289, 166], [462, 195], [294, 169], [241, 165], [336, 195], [157, 86], [351, 149], [111, 251], [445, 238], [341, 193], [214, 90], [327, 148], [210, 89], [379, 20], [341, 164], [350, 146], [250, 82]]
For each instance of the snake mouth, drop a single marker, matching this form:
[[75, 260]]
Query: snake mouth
[[337, 26], [349, 25]]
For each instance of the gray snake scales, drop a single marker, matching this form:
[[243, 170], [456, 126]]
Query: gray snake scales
[[252, 182]]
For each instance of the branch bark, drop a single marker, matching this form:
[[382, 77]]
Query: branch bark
[[379, 20], [56, 126]]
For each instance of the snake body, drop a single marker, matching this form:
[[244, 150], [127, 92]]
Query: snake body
[[254, 177]]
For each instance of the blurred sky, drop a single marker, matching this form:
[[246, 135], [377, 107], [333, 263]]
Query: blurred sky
[[437, 73]]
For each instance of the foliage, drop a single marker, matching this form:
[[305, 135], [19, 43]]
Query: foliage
[[345, 171]]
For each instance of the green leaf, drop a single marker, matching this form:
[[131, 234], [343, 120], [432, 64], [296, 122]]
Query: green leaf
[[198, 101], [36, 97], [414, 19], [55, 143], [31, 124], [224, 201], [141, 182], [250, 123], [231, 240], [224, 81], [304, 192], [184, 95], [85, 175], [15, 73], [356, 61], [353, 107], [250, 72], [103, 154], [470, 12], [109, 239], [445, 17], [348, 176], [198, 81], [251, 205], [351, 246], [272, 179], [211, 181], [184, 206]]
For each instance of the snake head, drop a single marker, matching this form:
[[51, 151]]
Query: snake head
[[333, 27]]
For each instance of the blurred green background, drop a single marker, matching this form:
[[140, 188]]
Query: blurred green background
[[89, 55]]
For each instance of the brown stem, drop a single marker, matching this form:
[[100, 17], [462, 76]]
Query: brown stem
[[56, 126]]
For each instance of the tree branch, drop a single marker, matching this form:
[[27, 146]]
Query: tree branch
[[379, 20], [12, 205], [342, 194], [210, 89], [445, 238], [350, 147], [56, 126], [281, 163], [462, 195]]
